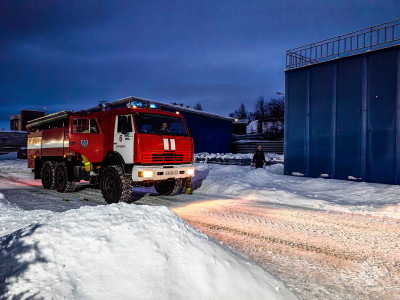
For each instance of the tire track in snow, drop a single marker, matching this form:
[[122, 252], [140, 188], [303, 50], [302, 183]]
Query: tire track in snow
[[319, 255]]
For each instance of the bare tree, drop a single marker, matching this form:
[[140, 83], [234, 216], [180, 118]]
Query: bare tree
[[240, 113], [260, 113], [276, 110]]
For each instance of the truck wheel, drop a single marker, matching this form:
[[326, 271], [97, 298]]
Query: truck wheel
[[63, 184], [115, 186], [47, 174], [169, 187]]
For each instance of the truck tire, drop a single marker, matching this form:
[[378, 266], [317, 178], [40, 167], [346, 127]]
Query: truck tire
[[169, 187], [115, 186], [63, 184], [47, 174]]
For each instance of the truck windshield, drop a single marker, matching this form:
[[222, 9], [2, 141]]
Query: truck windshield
[[160, 124]]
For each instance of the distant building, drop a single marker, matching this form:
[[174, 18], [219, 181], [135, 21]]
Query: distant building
[[18, 122]]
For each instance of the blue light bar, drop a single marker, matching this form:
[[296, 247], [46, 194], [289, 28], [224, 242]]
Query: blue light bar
[[152, 105], [138, 104]]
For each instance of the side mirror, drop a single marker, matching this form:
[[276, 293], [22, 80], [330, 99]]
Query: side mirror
[[190, 132]]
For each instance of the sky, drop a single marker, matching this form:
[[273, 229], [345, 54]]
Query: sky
[[69, 55]]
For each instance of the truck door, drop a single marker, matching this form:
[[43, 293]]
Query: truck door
[[86, 137], [124, 137]]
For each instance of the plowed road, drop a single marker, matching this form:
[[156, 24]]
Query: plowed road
[[319, 255]]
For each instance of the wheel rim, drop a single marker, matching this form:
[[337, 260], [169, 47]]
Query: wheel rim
[[46, 176], [60, 179], [110, 186]]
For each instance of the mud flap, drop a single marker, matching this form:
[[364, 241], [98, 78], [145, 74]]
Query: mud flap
[[188, 190]]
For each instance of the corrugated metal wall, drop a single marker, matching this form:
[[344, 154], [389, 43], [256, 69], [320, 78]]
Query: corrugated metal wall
[[251, 147], [342, 118], [210, 134], [11, 141]]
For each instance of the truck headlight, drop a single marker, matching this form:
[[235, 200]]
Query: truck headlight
[[146, 174], [190, 171]]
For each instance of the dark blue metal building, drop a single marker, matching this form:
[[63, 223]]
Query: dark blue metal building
[[211, 133], [342, 112]]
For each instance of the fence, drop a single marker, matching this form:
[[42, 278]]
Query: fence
[[251, 146], [11, 141], [371, 38]]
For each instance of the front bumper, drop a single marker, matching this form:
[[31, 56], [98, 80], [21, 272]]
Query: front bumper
[[142, 173]]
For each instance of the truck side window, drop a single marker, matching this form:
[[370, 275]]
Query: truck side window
[[178, 128], [127, 120], [93, 126], [80, 126]]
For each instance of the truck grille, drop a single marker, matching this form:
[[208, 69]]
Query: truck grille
[[167, 157]]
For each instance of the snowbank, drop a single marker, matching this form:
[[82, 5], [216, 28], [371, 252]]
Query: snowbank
[[269, 185], [11, 155], [207, 156], [121, 251], [252, 127]]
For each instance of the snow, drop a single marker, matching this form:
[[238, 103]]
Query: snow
[[164, 104], [252, 127], [124, 252], [117, 251], [83, 250], [248, 141], [8, 156], [269, 185], [208, 156]]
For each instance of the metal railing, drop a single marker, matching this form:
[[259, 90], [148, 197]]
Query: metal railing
[[371, 38]]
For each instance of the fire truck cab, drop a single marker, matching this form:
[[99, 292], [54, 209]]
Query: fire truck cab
[[114, 149]]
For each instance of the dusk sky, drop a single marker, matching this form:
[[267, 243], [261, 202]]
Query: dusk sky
[[68, 55]]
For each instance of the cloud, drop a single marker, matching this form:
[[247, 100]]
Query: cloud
[[69, 55]]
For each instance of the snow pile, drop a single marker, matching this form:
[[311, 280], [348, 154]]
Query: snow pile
[[252, 127], [10, 164], [11, 155], [207, 156], [121, 251], [269, 185]]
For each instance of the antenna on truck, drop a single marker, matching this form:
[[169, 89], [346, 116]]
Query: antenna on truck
[[102, 105]]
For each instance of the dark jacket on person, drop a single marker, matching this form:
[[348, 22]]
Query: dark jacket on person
[[259, 158]]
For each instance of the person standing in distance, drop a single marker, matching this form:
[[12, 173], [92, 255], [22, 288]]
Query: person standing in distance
[[259, 158]]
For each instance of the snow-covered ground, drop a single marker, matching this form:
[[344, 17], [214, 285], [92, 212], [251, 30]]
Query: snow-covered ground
[[269, 185], [115, 251], [208, 156], [123, 252], [82, 248]]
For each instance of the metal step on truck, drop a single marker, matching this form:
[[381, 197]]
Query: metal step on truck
[[114, 149]]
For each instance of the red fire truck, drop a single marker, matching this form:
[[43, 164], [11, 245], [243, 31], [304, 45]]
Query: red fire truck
[[114, 149]]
